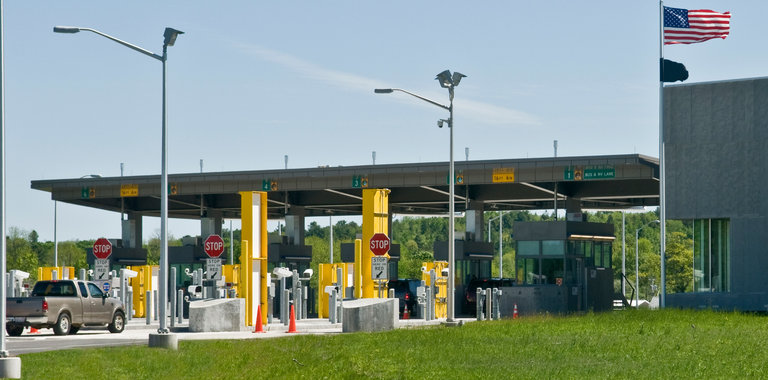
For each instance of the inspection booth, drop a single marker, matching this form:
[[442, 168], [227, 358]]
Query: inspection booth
[[473, 261], [561, 267]]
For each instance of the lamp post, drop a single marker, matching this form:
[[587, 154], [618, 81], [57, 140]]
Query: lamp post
[[169, 35], [449, 81], [637, 264]]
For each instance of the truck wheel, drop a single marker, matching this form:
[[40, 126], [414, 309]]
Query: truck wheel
[[63, 325], [14, 330], [118, 323]]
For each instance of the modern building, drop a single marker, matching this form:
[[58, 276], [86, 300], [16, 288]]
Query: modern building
[[716, 137]]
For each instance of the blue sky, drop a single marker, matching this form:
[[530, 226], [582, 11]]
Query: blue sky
[[251, 82]]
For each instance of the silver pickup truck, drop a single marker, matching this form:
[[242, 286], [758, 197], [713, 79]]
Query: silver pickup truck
[[66, 306]]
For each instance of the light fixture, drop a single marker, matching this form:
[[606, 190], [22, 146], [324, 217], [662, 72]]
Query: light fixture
[[170, 35]]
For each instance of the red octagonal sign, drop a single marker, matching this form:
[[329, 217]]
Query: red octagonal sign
[[102, 248], [379, 244], [213, 246]]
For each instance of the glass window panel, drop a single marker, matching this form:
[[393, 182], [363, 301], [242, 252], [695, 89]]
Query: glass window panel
[[553, 247], [528, 271], [598, 254], [576, 247], [552, 270], [528, 248], [607, 253]]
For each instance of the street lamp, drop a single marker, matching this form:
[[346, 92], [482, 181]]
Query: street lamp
[[169, 38], [637, 264], [449, 81]]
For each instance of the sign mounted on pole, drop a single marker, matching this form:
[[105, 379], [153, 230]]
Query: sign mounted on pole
[[213, 269], [100, 269], [379, 268], [213, 246], [102, 248], [379, 244]]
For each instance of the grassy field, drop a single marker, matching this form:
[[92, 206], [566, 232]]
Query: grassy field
[[628, 344]]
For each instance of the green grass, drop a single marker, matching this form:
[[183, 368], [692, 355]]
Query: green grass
[[630, 344]]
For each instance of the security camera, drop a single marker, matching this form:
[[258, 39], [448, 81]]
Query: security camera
[[444, 272], [308, 273], [423, 269], [440, 123]]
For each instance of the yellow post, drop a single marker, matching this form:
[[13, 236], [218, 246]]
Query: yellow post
[[231, 274], [245, 279], [441, 285], [358, 280], [375, 220], [253, 257], [141, 284]]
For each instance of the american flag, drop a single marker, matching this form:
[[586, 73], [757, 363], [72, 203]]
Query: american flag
[[683, 26]]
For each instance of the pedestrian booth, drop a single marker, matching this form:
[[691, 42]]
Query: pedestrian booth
[[60, 273], [141, 284], [329, 276], [434, 276]]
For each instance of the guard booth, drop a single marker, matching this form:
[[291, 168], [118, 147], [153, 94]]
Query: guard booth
[[280, 254], [473, 261], [561, 267]]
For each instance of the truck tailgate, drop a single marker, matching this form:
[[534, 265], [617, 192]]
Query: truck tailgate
[[22, 307]]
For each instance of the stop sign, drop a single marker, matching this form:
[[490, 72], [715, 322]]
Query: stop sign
[[213, 246], [379, 244], [102, 248]]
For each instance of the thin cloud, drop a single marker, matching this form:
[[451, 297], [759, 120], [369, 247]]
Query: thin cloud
[[476, 111]]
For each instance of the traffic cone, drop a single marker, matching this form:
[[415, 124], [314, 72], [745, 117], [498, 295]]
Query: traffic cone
[[292, 323], [406, 314], [258, 328], [514, 313], [33, 330]]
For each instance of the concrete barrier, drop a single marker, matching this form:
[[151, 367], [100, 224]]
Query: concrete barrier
[[224, 314], [369, 314]]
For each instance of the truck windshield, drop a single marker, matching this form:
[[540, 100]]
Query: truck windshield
[[54, 289]]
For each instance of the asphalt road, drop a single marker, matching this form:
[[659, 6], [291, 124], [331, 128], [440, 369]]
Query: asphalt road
[[137, 333]]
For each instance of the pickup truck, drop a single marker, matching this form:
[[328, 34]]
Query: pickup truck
[[66, 306]]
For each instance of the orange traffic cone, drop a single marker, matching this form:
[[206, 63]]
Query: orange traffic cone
[[406, 314], [292, 323], [514, 313], [33, 330], [258, 328]]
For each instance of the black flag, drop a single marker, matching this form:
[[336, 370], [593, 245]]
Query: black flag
[[672, 71]]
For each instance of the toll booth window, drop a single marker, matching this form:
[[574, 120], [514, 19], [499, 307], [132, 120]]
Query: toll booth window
[[528, 271], [552, 271], [528, 248], [598, 256], [553, 247], [607, 251], [576, 248], [588, 253]]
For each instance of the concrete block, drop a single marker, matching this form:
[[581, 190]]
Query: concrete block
[[10, 368], [168, 341], [370, 314], [224, 314]]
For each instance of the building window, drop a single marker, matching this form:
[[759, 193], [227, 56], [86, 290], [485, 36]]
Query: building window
[[528, 248], [553, 247], [711, 255]]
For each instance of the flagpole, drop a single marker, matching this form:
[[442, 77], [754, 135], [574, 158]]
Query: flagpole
[[662, 174]]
